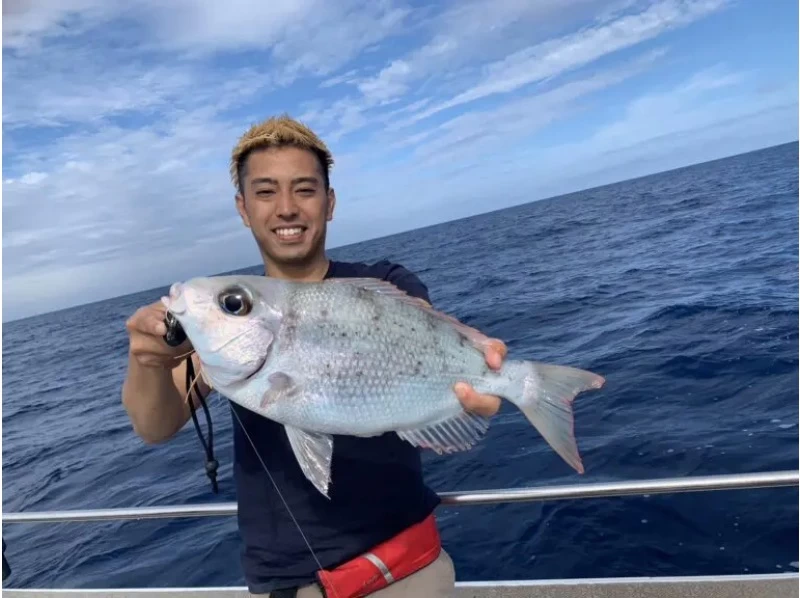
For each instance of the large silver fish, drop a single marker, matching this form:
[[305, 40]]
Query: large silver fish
[[360, 357]]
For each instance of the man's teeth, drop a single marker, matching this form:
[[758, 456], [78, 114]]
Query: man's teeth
[[289, 232]]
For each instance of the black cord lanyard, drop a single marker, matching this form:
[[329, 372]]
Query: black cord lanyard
[[175, 336]]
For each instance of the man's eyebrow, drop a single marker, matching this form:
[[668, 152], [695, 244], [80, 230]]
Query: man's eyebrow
[[305, 179], [295, 181]]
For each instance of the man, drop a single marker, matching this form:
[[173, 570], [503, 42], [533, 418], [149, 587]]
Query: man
[[379, 505]]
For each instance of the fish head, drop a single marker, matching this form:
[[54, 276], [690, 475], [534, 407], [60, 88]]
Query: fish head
[[231, 322]]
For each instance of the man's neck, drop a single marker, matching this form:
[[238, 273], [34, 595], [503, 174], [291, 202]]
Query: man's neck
[[310, 272]]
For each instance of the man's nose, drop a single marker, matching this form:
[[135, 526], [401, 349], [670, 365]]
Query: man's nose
[[287, 208]]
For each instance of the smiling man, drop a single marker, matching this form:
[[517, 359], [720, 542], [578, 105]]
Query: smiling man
[[377, 530]]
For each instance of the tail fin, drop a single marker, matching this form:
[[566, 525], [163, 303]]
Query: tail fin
[[547, 393]]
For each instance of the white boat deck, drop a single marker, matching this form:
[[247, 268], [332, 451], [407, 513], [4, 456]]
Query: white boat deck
[[783, 585]]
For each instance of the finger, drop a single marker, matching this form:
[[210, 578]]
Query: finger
[[465, 395], [159, 328], [150, 322], [485, 405], [495, 352], [493, 359], [158, 309]]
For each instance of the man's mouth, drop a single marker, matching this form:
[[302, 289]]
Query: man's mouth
[[289, 233]]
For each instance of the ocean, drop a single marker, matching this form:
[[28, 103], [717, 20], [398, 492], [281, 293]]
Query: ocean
[[681, 288]]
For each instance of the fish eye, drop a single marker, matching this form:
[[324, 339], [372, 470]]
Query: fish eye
[[235, 301]]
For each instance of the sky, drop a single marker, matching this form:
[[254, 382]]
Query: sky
[[119, 117]]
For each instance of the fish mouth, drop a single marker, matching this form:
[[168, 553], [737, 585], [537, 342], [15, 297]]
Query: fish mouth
[[226, 380], [256, 369], [175, 302]]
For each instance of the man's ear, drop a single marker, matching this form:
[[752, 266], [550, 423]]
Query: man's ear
[[331, 204], [241, 210]]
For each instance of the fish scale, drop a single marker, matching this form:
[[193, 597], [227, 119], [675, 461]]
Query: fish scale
[[358, 356], [370, 350]]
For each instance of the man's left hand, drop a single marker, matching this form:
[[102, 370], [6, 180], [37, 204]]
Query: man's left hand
[[481, 404]]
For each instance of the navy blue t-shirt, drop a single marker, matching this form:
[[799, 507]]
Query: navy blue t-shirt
[[379, 489]]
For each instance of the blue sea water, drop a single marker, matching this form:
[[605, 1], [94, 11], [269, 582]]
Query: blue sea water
[[681, 288]]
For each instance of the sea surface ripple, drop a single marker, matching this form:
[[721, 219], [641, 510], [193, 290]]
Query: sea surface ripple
[[681, 288]]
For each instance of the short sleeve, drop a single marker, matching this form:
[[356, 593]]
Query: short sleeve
[[403, 279]]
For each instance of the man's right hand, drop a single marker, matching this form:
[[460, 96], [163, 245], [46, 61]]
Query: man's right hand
[[146, 330], [154, 391]]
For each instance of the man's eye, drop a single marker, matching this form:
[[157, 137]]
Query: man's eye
[[264, 192], [306, 191]]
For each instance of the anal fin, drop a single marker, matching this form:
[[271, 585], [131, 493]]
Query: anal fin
[[314, 452], [452, 435]]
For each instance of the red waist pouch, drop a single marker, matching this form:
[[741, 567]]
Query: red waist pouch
[[396, 558]]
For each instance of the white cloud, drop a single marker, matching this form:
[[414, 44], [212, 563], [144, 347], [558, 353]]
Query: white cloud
[[483, 48], [120, 116], [556, 56], [348, 77], [469, 31], [390, 82], [54, 93], [26, 23], [491, 159], [307, 35], [313, 36], [711, 114], [478, 132], [463, 36], [120, 201]]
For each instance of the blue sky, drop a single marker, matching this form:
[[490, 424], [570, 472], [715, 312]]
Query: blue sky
[[119, 116]]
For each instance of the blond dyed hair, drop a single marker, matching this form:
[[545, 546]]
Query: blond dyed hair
[[278, 131]]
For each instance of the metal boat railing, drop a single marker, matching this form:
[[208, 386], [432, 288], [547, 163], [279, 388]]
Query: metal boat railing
[[771, 479], [745, 481]]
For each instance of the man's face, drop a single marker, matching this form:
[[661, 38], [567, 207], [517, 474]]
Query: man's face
[[285, 204]]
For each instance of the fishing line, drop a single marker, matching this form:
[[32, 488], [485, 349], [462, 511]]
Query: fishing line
[[280, 494], [174, 337]]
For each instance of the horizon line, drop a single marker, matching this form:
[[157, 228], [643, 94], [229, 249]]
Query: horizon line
[[428, 226]]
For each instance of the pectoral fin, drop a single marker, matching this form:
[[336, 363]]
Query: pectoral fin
[[281, 387], [313, 452]]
